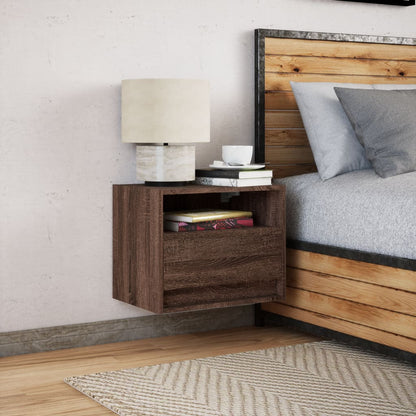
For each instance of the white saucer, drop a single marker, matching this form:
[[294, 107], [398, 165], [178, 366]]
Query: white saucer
[[241, 167]]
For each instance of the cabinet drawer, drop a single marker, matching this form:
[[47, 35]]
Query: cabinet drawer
[[222, 271], [222, 265], [241, 242]]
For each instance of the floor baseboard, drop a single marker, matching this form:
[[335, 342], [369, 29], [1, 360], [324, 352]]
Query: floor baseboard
[[150, 326]]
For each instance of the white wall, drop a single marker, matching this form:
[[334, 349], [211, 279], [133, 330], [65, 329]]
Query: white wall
[[61, 63]]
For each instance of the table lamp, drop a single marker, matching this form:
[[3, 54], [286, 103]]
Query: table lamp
[[164, 117]]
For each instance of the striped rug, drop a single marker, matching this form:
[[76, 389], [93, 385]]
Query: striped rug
[[319, 378]]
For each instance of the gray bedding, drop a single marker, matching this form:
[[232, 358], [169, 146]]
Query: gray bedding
[[357, 210]]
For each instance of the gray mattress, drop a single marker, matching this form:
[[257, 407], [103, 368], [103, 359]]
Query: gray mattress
[[357, 210]]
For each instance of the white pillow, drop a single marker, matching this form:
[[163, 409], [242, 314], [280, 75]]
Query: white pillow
[[335, 147]]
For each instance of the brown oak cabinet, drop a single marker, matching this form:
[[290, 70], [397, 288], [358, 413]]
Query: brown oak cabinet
[[166, 271]]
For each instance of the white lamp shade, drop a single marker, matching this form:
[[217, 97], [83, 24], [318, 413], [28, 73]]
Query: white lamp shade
[[165, 111]]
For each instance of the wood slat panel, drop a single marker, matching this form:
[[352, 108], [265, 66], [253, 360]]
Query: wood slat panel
[[351, 328], [288, 155], [353, 312], [286, 137], [281, 82], [370, 294], [311, 65], [282, 171], [283, 119], [318, 48], [352, 269], [280, 100]]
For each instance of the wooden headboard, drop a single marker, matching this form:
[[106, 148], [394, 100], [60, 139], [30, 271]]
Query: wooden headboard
[[284, 56]]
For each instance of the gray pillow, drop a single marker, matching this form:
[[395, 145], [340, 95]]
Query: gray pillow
[[333, 142], [385, 123]]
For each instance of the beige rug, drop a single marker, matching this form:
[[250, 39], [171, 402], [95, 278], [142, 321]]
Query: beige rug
[[319, 378]]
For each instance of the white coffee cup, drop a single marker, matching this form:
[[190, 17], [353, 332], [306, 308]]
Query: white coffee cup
[[237, 155]]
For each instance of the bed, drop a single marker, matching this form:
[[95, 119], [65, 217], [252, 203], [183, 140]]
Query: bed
[[343, 285]]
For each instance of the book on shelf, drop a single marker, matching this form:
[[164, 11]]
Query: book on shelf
[[221, 224], [204, 180], [234, 174], [205, 215]]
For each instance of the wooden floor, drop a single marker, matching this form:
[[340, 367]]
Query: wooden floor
[[32, 384]]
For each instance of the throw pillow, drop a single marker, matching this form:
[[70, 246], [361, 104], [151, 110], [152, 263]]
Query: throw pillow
[[385, 123]]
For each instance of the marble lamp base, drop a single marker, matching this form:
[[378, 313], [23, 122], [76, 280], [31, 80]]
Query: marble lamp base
[[169, 165]]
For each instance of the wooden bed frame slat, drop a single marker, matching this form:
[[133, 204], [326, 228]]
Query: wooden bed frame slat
[[286, 137], [366, 300], [288, 155], [337, 66], [379, 318], [281, 81], [357, 330], [353, 290], [283, 119], [391, 277], [281, 171], [280, 100], [339, 49]]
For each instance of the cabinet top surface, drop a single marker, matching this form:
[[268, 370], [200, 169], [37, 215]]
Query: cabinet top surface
[[201, 189]]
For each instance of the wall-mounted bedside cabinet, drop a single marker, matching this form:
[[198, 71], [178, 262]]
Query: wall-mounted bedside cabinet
[[166, 271]]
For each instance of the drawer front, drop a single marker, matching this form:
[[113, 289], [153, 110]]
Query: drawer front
[[240, 242], [210, 266], [186, 299]]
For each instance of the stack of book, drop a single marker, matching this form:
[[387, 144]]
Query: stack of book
[[207, 220], [237, 177]]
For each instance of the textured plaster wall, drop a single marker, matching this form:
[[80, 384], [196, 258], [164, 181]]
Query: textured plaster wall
[[61, 62]]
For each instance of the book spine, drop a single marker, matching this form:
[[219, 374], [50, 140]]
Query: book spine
[[233, 182], [216, 181], [215, 224], [206, 216], [234, 174]]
